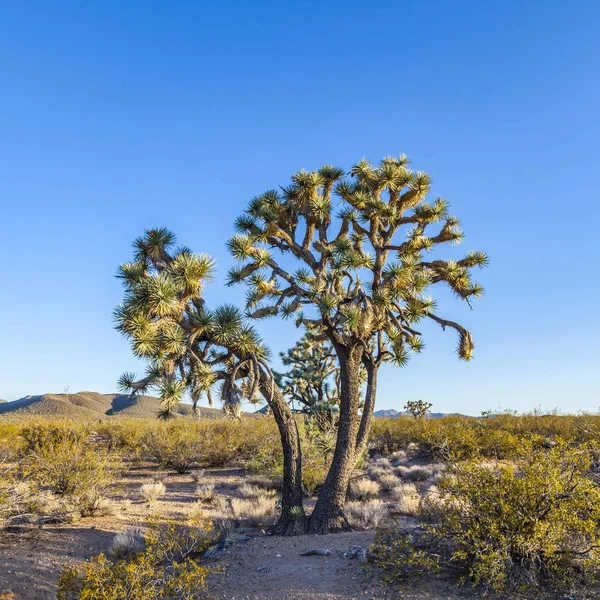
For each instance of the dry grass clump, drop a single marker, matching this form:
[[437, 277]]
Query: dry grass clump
[[127, 543], [365, 515], [254, 511], [206, 492], [152, 491], [387, 482], [94, 504], [197, 476], [363, 489], [414, 473], [408, 501], [247, 490], [262, 481], [378, 468], [194, 512], [398, 458]]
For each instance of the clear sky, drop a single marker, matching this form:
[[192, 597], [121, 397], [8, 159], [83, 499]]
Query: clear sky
[[121, 115]]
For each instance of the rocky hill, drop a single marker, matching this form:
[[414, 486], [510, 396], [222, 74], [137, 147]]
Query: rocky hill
[[91, 405]]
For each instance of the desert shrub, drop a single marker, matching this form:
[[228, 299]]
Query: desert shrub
[[127, 436], [254, 511], [127, 544], [314, 469], [387, 482], [173, 446], [398, 458], [14, 497], [531, 524], [69, 465], [222, 441], [95, 504], [247, 490], [261, 481], [363, 489], [39, 437], [259, 445], [414, 473], [398, 554], [194, 512], [205, 492], [523, 524], [364, 515], [408, 501], [153, 490], [197, 476], [165, 567]]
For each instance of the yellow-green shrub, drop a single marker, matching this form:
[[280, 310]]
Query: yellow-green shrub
[[166, 567], [526, 524], [69, 466]]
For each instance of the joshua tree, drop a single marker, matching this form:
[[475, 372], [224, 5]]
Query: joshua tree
[[312, 376], [349, 276], [190, 349], [418, 408]]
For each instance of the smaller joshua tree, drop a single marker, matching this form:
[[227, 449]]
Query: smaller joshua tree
[[418, 408], [190, 349], [312, 377]]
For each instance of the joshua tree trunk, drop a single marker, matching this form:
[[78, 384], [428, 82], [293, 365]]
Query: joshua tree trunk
[[328, 514], [291, 522], [367, 413]]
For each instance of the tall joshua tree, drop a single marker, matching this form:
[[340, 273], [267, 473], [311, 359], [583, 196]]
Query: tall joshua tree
[[190, 348], [353, 278]]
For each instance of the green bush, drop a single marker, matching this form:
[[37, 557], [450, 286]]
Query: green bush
[[165, 567], [532, 524], [40, 436], [174, 446], [70, 466]]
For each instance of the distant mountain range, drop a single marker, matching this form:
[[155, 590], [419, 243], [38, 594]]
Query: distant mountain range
[[92, 405], [392, 413]]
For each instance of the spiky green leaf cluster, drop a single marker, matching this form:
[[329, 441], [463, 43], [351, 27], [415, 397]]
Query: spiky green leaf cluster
[[364, 268], [187, 347]]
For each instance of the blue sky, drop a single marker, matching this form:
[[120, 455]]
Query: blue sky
[[121, 115]]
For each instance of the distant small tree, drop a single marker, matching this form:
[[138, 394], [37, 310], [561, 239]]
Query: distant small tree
[[190, 348], [418, 408], [351, 277], [312, 377]]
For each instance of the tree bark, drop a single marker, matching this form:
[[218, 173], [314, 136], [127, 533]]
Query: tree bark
[[291, 522], [328, 515], [369, 406]]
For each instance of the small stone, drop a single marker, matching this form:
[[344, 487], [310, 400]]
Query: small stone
[[261, 568], [356, 552], [316, 552]]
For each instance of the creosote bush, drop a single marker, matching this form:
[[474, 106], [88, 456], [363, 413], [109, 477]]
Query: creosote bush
[[525, 525], [165, 566], [69, 466]]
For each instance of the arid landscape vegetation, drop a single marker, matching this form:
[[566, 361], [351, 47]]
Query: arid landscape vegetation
[[436, 508]]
